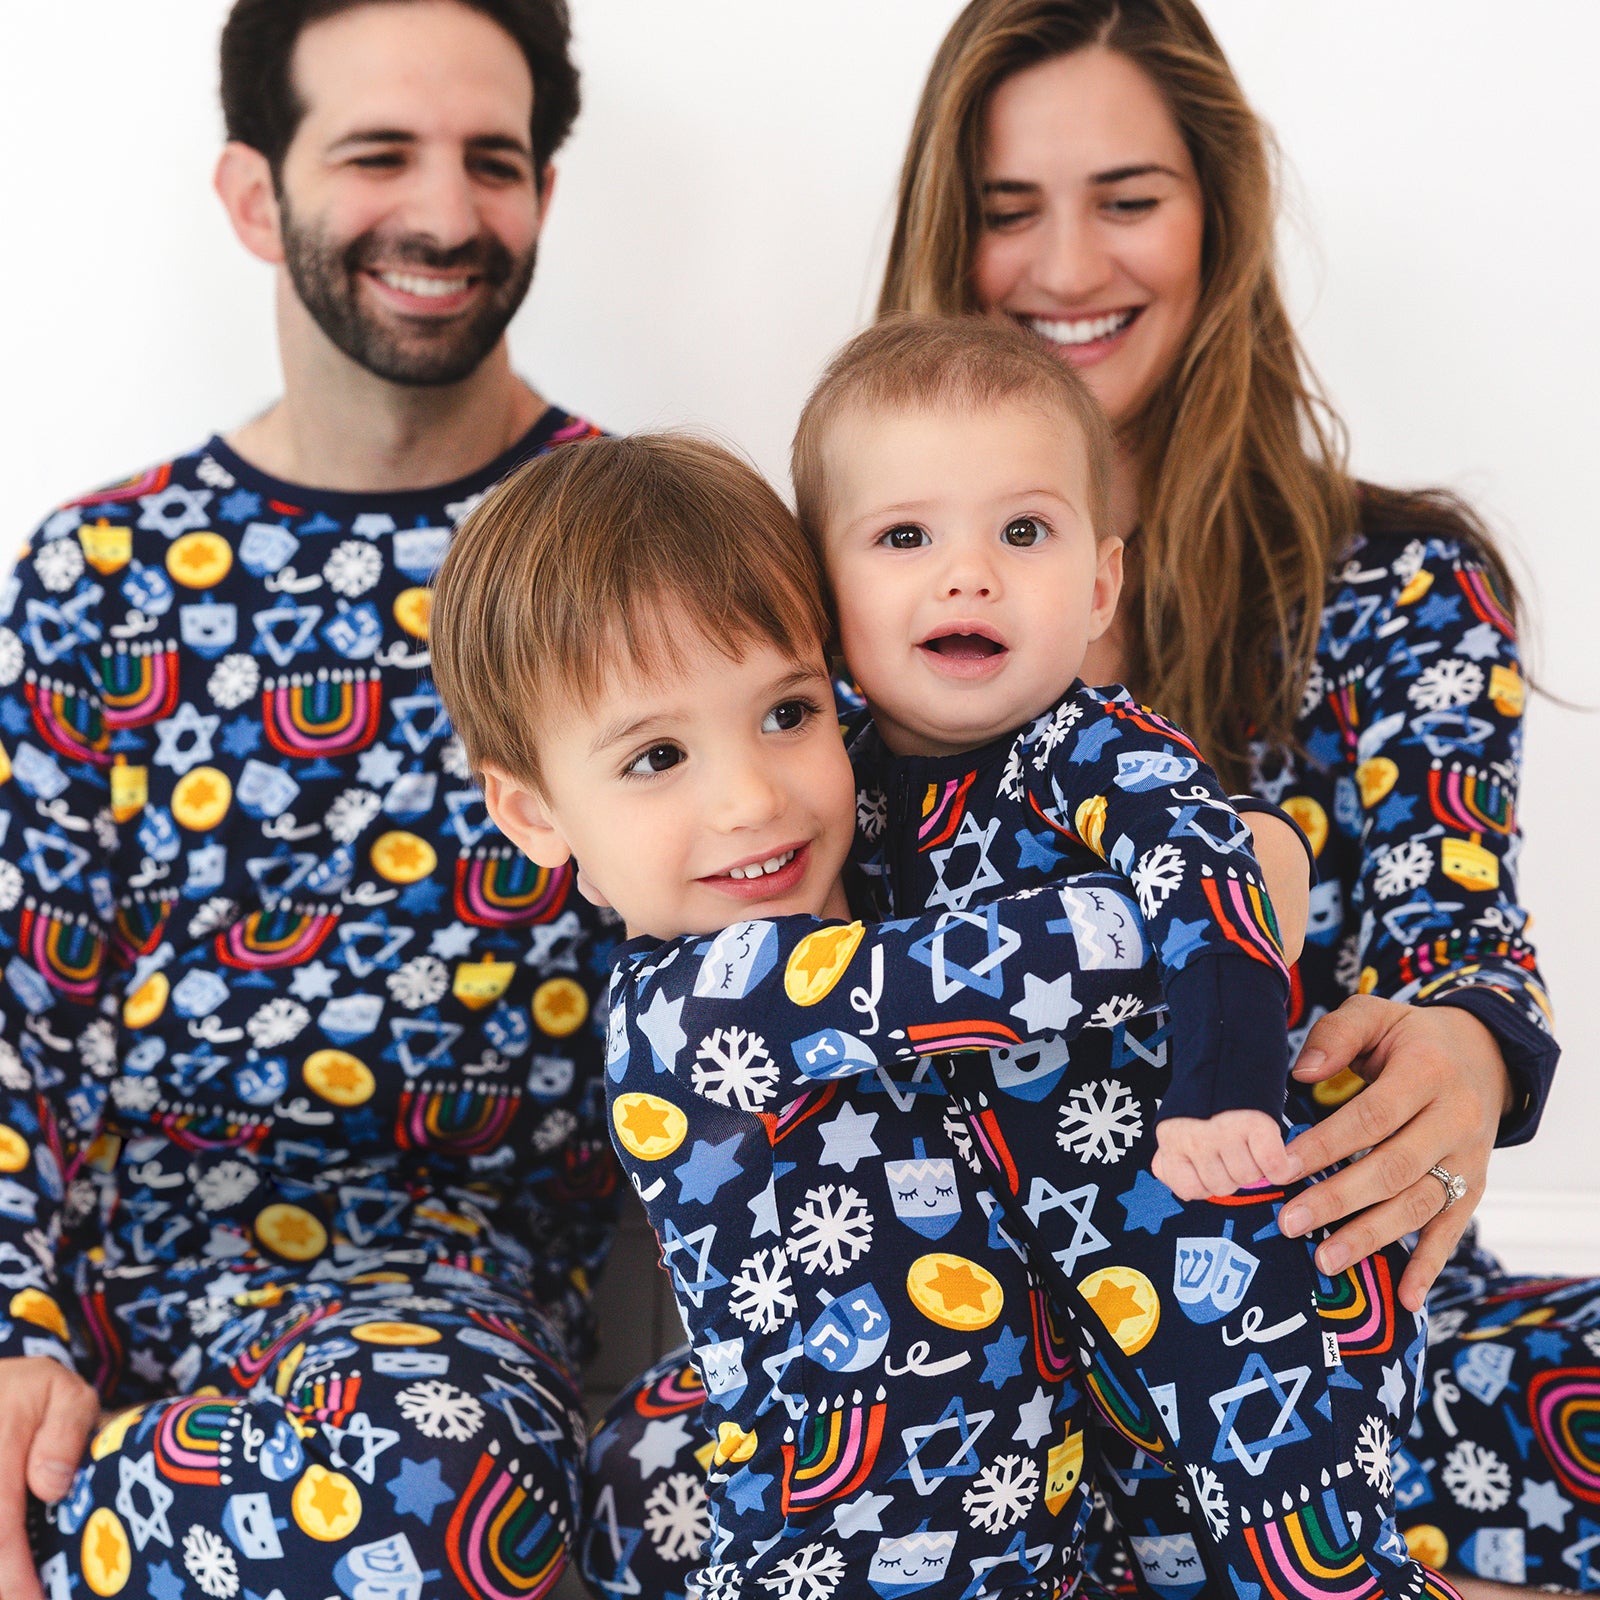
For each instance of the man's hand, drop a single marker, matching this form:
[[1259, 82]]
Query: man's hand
[[1197, 1157], [46, 1417]]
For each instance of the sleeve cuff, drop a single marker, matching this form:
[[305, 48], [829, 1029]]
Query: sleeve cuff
[[1530, 1055], [1247, 803], [1230, 1041]]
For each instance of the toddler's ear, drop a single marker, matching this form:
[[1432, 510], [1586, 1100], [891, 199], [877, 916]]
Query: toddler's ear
[[1107, 586], [522, 816]]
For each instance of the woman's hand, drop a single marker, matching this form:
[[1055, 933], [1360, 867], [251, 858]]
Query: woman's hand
[[1282, 856], [46, 1417], [1437, 1089]]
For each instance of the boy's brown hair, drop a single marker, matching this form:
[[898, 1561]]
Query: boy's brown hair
[[600, 553], [910, 362]]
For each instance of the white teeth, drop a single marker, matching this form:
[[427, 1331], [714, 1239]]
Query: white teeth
[[1082, 330], [425, 288], [761, 869]]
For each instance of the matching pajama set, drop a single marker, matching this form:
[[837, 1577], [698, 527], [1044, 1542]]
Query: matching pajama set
[[301, 1153], [1199, 1334]]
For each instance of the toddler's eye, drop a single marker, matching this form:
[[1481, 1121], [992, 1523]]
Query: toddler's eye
[[786, 716], [1025, 531], [904, 536], [658, 758]]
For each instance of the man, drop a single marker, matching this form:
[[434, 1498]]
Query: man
[[299, 1101]]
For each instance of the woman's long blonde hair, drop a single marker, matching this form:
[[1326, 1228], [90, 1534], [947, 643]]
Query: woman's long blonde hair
[[1245, 501]]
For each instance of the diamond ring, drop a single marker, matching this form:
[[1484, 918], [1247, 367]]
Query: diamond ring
[[1455, 1186]]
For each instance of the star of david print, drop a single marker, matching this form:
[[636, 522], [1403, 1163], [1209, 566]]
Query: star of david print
[[151, 1524], [971, 835], [697, 1247], [963, 1462], [1078, 1204], [950, 976], [1257, 1378], [372, 1442]]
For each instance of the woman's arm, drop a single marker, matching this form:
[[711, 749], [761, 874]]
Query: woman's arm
[[1461, 1053]]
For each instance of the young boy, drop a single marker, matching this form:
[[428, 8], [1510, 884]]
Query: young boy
[[693, 785]]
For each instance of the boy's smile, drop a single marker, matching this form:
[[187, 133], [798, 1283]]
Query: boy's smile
[[716, 791], [968, 580]]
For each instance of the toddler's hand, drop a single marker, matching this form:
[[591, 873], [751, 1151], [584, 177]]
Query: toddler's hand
[[1198, 1157]]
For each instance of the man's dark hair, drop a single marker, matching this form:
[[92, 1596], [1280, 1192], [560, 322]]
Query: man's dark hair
[[261, 109]]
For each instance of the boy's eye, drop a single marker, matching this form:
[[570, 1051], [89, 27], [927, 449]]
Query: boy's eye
[[904, 536], [1025, 531], [658, 758], [786, 716]]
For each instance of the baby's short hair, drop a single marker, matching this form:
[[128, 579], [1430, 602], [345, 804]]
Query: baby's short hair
[[599, 554], [910, 362]]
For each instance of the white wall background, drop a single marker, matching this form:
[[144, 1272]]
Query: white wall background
[[719, 228]]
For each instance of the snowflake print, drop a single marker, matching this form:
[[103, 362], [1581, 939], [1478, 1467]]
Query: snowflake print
[[1111, 1013], [1406, 867], [225, 1184], [212, 471], [234, 680], [1157, 875], [216, 913], [1212, 1498], [1405, 566], [763, 1293], [105, 829], [210, 1563], [453, 758], [1591, 1340], [1002, 1495], [277, 1022], [558, 1126], [872, 812], [1054, 733], [59, 565], [1373, 1446], [439, 1410], [1347, 964], [1446, 684], [10, 886], [13, 1075], [1316, 687], [353, 568], [422, 981], [1476, 1477], [208, 1316], [11, 659], [1100, 1121], [832, 1230], [732, 1067], [676, 1518], [960, 1137], [811, 1573], [721, 1582], [1011, 778], [135, 1094], [350, 813]]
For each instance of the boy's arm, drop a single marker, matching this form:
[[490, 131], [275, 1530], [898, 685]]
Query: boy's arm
[[1116, 778], [774, 1005]]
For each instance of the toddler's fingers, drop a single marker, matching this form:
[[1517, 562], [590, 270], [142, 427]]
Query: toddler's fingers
[[1214, 1173], [1265, 1139], [1180, 1177]]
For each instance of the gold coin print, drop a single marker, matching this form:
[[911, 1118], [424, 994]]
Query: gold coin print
[[705, 1454], [1469, 864], [5, 766], [107, 1555], [1343, 1085], [1415, 590], [412, 610], [327, 1505], [34, 1305], [1126, 1302], [130, 789], [818, 961], [1063, 1468], [339, 1077], [733, 1444], [954, 1292], [1090, 821], [648, 1127], [559, 1005], [199, 560], [1311, 819], [106, 547], [14, 1150], [1507, 691], [111, 1436], [403, 858], [1427, 1544], [395, 1333], [200, 799], [291, 1232], [1375, 778], [147, 1002], [1368, 981]]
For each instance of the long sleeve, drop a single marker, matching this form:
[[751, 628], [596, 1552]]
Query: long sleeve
[[765, 1008], [1113, 777], [1422, 674], [57, 800]]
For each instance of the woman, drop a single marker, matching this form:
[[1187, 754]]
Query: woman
[[1090, 169]]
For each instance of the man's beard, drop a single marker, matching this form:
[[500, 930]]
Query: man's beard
[[423, 354]]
